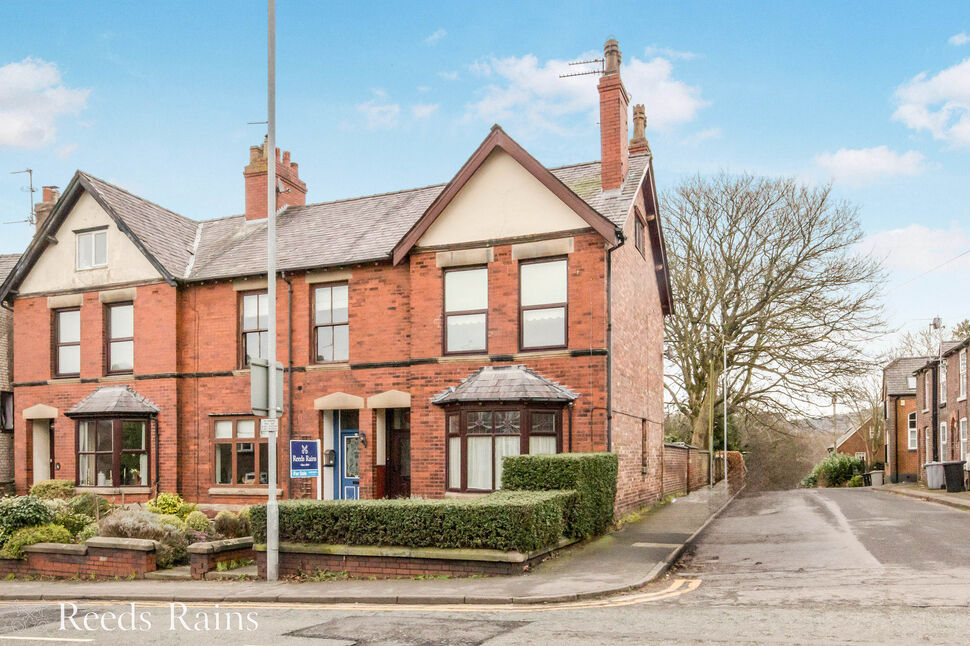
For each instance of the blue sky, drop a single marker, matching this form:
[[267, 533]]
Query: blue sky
[[376, 97]]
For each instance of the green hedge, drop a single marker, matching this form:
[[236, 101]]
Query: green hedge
[[523, 520], [591, 475]]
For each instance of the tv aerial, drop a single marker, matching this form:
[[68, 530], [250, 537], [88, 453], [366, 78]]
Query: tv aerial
[[30, 190]]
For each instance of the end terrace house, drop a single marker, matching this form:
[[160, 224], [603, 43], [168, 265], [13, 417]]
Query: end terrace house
[[426, 333]]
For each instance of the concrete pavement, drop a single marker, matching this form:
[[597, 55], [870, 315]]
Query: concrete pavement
[[624, 560], [959, 500]]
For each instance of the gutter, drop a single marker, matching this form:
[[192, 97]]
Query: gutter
[[621, 240]]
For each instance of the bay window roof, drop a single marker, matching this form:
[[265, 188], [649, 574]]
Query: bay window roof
[[113, 400], [505, 384]]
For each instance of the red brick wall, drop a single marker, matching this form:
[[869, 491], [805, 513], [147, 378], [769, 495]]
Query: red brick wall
[[98, 562], [907, 461]]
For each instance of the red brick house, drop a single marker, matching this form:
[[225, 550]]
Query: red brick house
[[7, 262], [899, 386], [854, 442], [425, 333], [942, 411]]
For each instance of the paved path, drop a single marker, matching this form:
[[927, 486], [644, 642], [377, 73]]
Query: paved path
[[620, 561]]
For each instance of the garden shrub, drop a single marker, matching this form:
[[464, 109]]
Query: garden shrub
[[88, 503], [230, 525], [198, 522], [143, 524], [834, 470], [22, 511], [172, 521], [48, 533], [90, 530], [591, 475], [170, 503], [74, 523], [504, 520], [53, 489], [856, 481]]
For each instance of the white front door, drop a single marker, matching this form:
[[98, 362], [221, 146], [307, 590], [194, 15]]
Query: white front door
[[42, 450]]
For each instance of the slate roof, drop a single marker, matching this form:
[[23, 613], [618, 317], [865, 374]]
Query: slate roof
[[7, 262], [897, 374], [116, 400], [504, 384]]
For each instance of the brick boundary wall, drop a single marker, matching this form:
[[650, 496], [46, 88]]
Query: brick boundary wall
[[100, 557], [295, 561], [205, 557], [685, 469]]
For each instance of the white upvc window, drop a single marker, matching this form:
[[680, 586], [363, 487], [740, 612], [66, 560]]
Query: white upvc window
[[963, 373], [92, 249], [963, 440], [927, 390], [942, 379], [913, 442], [944, 454]]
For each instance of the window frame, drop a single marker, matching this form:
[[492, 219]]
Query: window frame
[[445, 314], [543, 306], [84, 233], [942, 381], [240, 321], [963, 374], [315, 329], [108, 339], [943, 429], [927, 390], [56, 343], [912, 432], [117, 449], [639, 233], [525, 410], [257, 440]]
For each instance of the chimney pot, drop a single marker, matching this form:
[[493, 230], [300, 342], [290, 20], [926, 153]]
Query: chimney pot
[[639, 142], [612, 56]]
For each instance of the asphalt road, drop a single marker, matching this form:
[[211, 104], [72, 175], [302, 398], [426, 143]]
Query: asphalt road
[[821, 566]]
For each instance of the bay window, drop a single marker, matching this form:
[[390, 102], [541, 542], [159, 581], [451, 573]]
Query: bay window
[[120, 338], [466, 310], [479, 437], [112, 453], [543, 304], [239, 457]]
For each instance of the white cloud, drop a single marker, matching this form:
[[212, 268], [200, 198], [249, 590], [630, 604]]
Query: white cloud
[[917, 248], [532, 93], [435, 37], [32, 97], [65, 151], [939, 104], [862, 165], [378, 113], [480, 68], [701, 136], [667, 52], [449, 76], [423, 88], [423, 110], [959, 39]]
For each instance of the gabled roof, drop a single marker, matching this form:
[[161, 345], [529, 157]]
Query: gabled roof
[[956, 346], [327, 234], [497, 139], [896, 375], [845, 436], [505, 384], [113, 400], [7, 262]]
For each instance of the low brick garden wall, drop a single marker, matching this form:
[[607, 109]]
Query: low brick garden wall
[[99, 556], [302, 559], [205, 557]]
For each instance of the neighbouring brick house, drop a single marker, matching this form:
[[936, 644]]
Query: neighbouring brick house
[[942, 411], [853, 442], [426, 333], [7, 262], [901, 417]]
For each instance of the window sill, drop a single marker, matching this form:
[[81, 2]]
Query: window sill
[[242, 491], [113, 490], [466, 494], [466, 356], [126, 376], [66, 380], [239, 372], [334, 365]]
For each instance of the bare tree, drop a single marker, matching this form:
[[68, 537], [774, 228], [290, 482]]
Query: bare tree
[[769, 270], [925, 342], [865, 396]]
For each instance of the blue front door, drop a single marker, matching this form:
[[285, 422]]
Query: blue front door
[[346, 441]]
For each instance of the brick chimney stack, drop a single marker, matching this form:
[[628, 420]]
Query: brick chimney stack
[[255, 174], [614, 147], [42, 210], [639, 142]]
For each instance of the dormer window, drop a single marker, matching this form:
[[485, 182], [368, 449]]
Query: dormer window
[[92, 248]]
